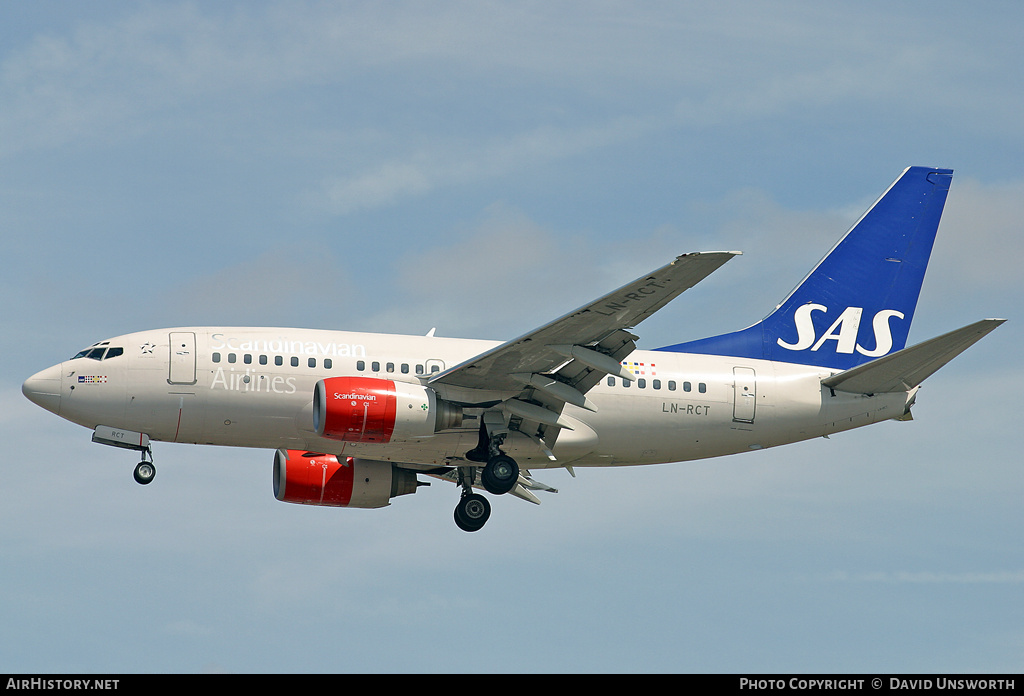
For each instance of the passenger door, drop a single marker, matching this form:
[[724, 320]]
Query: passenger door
[[183, 358]]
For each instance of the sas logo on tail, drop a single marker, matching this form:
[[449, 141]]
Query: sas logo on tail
[[843, 331]]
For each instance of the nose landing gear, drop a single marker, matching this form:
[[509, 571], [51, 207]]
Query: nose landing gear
[[145, 471]]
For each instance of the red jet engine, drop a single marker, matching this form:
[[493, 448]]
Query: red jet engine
[[372, 410], [309, 478]]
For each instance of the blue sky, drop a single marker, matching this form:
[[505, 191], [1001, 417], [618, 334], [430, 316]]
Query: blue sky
[[482, 168]]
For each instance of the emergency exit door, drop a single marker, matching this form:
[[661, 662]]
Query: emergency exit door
[[744, 394]]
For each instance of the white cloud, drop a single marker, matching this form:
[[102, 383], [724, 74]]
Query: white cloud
[[293, 280], [140, 71], [508, 274], [981, 240], [503, 277], [456, 161]]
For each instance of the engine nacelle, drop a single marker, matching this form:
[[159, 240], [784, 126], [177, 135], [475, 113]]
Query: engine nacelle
[[308, 478], [367, 409]]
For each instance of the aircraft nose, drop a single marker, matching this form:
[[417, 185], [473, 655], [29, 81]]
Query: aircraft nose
[[43, 388]]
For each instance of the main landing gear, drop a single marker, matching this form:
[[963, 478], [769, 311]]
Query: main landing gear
[[498, 476], [472, 512], [145, 471]]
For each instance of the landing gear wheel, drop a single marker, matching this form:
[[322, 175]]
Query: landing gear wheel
[[145, 472], [500, 475], [472, 512]]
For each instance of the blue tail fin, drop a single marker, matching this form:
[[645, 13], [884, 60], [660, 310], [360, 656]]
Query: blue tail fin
[[858, 302]]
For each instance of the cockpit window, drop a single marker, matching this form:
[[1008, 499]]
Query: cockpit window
[[100, 351]]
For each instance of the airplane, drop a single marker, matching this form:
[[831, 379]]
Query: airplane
[[356, 418]]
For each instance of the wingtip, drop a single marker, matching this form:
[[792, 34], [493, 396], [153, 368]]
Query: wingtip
[[710, 253]]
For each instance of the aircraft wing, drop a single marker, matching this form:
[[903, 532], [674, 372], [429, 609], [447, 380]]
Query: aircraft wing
[[561, 360], [535, 375]]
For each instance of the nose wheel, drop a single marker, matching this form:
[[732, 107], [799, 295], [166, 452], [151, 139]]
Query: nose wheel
[[145, 471]]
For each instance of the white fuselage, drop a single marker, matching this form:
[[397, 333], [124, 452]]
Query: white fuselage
[[253, 387]]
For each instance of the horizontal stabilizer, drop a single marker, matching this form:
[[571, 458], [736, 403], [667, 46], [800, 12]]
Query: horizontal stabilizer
[[907, 368]]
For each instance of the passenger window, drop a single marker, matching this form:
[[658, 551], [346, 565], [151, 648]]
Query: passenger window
[[671, 385], [419, 369], [375, 366], [216, 357], [278, 360], [328, 363], [247, 359], [641, 384], [435, 368], [611, 381], [295, 361], [626, 382], [390, 367], [686, 386], [232, 357], [360, 365], [311, 362], [657, 384], [702, 388], [405, 368], [263, 360]]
